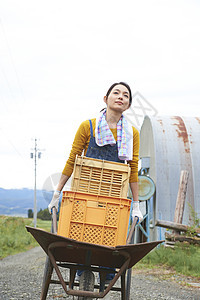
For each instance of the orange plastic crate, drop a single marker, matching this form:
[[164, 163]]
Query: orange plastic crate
[[100, 177], [95, 219]]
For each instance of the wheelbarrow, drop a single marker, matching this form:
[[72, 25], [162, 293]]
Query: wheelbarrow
[[74, 255]]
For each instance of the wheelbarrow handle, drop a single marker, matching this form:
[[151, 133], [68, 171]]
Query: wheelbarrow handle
[[131, 231], [54, 221]]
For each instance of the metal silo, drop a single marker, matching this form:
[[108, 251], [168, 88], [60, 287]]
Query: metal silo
[[172, 144]]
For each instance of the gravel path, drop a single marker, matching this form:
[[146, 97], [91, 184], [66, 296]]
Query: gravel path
[[21, 277]]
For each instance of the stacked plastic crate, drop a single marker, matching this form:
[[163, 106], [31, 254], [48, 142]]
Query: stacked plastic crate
[[96, 210]]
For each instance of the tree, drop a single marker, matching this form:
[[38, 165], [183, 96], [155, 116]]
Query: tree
[[44, 214], [30, 213]]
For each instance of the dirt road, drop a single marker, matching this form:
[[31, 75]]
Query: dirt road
[[21, 278]]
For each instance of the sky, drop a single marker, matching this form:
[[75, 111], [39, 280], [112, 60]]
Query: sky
[[58, 59]]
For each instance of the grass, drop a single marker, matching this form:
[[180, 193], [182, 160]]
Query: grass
[[184, 259], [14, 237]]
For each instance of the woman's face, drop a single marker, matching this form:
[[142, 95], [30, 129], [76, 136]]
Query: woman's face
[[118, 99]]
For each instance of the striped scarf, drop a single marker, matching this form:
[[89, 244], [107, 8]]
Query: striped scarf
[[104, 136]]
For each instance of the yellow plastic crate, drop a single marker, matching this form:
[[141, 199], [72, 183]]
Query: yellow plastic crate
[[100, 177], [95, 219]]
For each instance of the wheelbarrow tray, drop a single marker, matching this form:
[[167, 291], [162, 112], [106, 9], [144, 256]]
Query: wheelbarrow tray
[[80, 255], [75, 251]]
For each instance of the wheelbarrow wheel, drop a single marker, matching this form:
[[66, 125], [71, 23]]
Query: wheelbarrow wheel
[[86, 283]]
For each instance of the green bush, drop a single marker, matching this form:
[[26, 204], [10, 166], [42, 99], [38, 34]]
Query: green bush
[[14, 237], [184, 258]]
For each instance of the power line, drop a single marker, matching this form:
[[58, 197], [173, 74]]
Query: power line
[[9, 85], [12, 144], [12, 60]]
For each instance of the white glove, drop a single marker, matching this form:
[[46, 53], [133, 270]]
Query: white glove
[[54, 201], [136, 211]]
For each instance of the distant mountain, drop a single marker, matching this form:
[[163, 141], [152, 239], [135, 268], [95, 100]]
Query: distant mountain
[[16, 202]]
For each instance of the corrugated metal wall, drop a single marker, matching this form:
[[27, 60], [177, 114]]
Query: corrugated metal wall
[[173, 144]]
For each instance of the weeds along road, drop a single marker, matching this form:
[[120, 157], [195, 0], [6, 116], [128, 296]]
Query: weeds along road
[[21, 277]]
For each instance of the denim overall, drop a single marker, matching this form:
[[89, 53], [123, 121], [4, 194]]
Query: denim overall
[[106, 152]]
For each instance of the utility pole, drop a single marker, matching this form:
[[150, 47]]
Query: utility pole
[[35, 155]]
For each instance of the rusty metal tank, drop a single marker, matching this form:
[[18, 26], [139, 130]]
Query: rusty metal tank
[[169, 144]]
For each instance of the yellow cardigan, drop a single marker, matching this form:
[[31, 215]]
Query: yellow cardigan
[[81, 142]]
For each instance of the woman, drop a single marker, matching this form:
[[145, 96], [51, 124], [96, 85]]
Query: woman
[[109, 124], [109, 137]]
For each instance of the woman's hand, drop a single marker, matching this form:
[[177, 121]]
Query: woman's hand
[[54, 202], [136, 212], [56, 194]]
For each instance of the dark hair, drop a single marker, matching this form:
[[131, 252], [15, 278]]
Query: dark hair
[[122, 83]]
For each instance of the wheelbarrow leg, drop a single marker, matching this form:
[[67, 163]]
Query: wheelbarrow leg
[[130, 241], [128, 284], [48, 269], [123, 286]]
